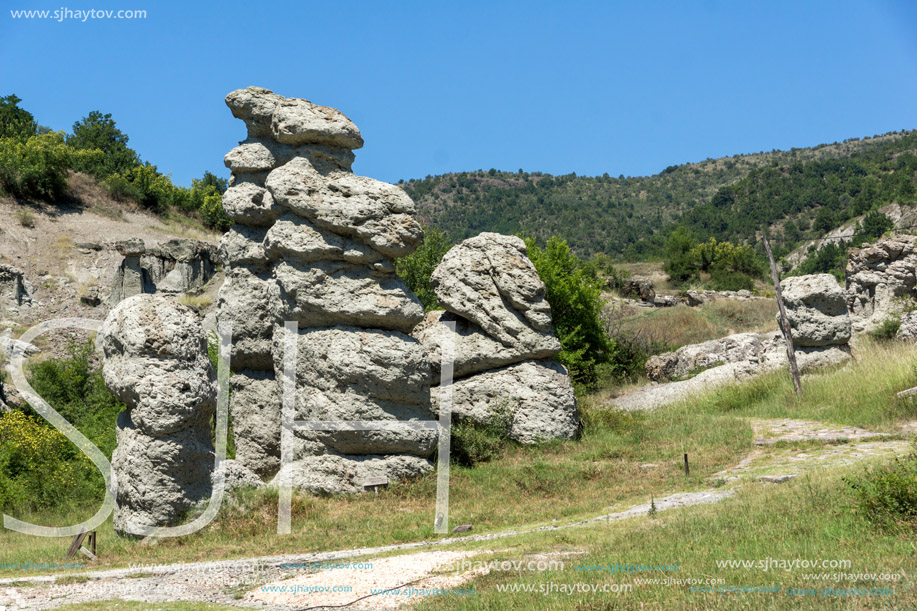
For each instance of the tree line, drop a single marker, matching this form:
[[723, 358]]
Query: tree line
[[35, 162]]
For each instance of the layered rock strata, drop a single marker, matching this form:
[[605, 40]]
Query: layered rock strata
[[313, 243], [503, 342]]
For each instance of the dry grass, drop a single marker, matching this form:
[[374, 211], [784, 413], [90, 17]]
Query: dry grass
[[25, 218], [198, 302], [681, 325], [93, 196]]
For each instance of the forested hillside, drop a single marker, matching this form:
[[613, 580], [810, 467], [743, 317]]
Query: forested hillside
[[728, 198]]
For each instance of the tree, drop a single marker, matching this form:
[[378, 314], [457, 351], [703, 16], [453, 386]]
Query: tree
[[416, 268], [574, 293], [824, 220], [874, 224], [15, 122], [98, 131], [679, 264], [36, 168]]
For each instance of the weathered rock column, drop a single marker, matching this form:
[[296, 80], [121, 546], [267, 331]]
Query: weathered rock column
[[504, 342], [313, 243], [156, 363]]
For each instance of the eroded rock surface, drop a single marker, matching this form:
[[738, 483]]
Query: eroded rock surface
[[314, 244], [879, 277], [155, 361], [15, 290], [503, 340], [173, 267], [816, 307]]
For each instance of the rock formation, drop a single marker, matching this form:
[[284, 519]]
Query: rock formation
[[155, 361], [696, 357], [503, 343], [15, 290], [174, 267], [908, 329], [816, 307], [817, 311], [313, 243], [879, 276]]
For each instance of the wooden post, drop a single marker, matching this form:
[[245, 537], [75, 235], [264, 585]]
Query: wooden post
[[784, 321], [687, 470]]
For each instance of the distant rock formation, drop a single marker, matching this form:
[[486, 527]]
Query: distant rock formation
[[174, 267], [15, 290], [313, 243], [155, 361], [819, 322], [879, 276], [503, 343], [907, 331]]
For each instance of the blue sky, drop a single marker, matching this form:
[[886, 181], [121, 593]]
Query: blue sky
[[586, 87]]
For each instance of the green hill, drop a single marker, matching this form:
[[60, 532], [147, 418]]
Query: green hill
[[729, 198]]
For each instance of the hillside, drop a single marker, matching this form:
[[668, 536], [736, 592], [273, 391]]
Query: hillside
[[629, 217]]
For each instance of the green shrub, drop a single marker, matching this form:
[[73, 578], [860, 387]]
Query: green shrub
[[887, 330], [574, 292], [722, 280], [39, 467], [887, 495], [416, 268], [473, 442], [37, 167]]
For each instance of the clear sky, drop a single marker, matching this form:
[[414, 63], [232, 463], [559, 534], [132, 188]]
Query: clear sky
[[587, 87]]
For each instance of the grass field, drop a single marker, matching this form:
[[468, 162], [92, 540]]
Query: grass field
[[554, 481], [622, 459]]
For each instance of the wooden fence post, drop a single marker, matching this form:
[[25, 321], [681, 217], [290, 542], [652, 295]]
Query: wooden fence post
[[784, 321]]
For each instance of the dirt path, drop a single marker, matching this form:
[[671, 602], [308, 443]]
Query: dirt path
[[784, 449]]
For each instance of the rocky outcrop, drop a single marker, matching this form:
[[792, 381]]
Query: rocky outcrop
[[503, 341], [816, 308], [313, 243], [696, 357], [174, 267], [155, 361], [907, 331], [817, 311], [638, 289], [879, 277], [15, 290]]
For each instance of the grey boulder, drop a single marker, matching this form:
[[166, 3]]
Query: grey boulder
[[473, 349], [537, 394], [816, 307]]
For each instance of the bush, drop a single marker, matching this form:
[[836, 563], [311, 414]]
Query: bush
[[39, 467], [473, 442], [888, 330], [722, 280], [574, 292], [25, 218], [416, 268], [887, 495], [37, 167]]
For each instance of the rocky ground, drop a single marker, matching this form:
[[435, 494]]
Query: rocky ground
[[66, 251]]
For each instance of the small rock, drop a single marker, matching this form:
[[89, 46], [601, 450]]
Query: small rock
[[462, 529], [777, 479]]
